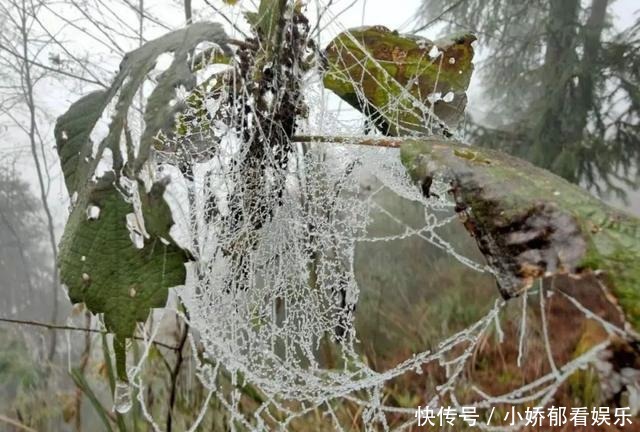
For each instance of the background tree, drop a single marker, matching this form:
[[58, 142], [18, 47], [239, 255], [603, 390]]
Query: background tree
[[561, 84], [23, 256], [26, 271]]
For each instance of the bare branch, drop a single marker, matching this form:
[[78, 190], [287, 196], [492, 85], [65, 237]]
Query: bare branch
[[50, 69], [356, 140], [72, 328]]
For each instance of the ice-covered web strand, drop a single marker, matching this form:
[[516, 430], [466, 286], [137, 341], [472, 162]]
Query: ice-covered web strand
[[523, 329], [298, 281], [545, 331]]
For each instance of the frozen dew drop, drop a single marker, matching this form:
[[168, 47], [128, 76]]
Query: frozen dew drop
[[434, 52], [122, 397], [452, 60], [448, 97], [137, 239], [93, 212], [434, 97]]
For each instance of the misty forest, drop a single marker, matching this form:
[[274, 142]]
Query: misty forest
[[319, 215]]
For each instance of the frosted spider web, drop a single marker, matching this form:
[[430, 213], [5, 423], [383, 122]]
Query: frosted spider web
[[274, 282]]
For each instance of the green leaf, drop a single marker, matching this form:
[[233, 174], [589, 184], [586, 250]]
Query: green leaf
[[392, 78], [160, 112], [73, 128], [72, 138], [102, 268], [98, 260], [270, 12], [155, 210]]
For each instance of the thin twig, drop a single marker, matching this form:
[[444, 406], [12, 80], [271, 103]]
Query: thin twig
[[82, 64], [356, 140], [545, 330], [148, 16], [174, 377], [444, 12], [16, 423], [523, 330], [72, 328], [52, 69], [226, 18]]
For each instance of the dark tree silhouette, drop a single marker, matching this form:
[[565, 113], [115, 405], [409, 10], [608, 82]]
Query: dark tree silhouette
[[561, 81]]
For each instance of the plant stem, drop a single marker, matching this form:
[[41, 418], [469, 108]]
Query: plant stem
[[174, 376]]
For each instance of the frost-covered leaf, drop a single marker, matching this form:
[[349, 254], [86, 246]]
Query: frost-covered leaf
[[72, 133], [160, 110], [99, 261], [75, 126], [103, 269], [155, 210], [398, 79]]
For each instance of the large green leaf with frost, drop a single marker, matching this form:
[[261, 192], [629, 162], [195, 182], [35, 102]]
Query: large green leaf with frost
[[400, 81], [99, 262], [102, 268], [72, 138], [78, 156]]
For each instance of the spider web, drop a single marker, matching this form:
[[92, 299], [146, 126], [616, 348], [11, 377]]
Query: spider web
[[274, 285]]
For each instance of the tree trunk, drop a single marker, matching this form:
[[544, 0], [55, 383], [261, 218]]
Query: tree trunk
[[550, 129], [29, 100], [592, 45]]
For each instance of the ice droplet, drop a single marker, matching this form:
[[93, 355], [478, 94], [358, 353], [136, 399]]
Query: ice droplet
[[434, 97], [93, 212], [122, 397]]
